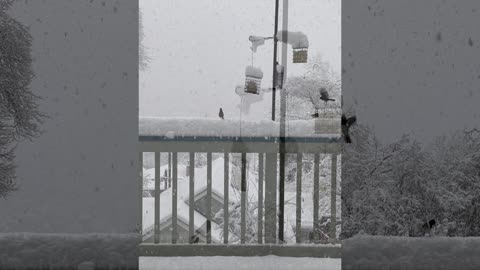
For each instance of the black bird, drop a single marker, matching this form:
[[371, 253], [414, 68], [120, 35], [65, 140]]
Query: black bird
[[346, 124], [324, 95], [428, 226], [195, 238], [220, 113]]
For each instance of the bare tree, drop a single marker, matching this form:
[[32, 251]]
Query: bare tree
[[303, 92], [20, 117]]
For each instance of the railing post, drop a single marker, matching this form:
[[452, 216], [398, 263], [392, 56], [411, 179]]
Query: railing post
[[191, 221], [243, 198], [298, 223], [157, 199], [260, 198], [209, 197], [271, 198], [316, 190], [333, 197], [169, 169], [174, 198], [226, 201], [140, 174]]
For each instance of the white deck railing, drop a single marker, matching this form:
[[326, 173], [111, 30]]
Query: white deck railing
[[174, 139]]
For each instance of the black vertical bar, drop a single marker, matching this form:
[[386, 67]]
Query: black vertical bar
[[274, 59], [243, 221], [260, 198], [209, 197]]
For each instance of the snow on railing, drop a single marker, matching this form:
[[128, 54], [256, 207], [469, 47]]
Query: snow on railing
[[212, 127]]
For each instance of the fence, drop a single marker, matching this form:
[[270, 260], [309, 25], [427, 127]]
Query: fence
[[180, 234]]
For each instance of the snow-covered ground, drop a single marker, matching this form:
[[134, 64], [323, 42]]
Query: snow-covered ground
[[21, 251], [379, 252], [238, 263], [118, 251]]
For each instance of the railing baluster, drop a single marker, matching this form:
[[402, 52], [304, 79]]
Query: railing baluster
[[169, 169], [174, 198], [271, 198], [140, 172], [298, 224], [209, 197], [260, 198], [333, 201], [225, 197], [157, 199], [316, 190], [191, 221], [243, 198]]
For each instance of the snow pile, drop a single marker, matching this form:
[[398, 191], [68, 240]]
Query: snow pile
[[252, 71], [237, 263], [298, 40], [68, 251], [216, 127], [379, 252]]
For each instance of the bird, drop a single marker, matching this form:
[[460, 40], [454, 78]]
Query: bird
[[324, 95], [195, 238], [428, 227], [346, 124], [220, 113]]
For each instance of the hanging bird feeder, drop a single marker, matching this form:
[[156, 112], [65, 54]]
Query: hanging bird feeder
[[300, 55], [253, 80], [299, 42]]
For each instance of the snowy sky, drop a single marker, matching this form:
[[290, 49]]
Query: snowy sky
[[199, 51]]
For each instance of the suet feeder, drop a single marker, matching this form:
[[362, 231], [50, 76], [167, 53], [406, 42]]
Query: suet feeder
[[300, 55], [299, 42], [253, 80]]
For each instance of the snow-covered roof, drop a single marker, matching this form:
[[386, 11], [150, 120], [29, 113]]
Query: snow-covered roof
[[296, 39], [252, 71], [171, 128]]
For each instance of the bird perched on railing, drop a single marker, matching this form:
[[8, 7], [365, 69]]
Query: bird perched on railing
[[346, 124], [220, 113], [195, 239], [324, 95]]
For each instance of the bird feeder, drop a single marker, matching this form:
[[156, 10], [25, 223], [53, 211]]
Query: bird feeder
[[300, 55], [299, 42], [253, 80]]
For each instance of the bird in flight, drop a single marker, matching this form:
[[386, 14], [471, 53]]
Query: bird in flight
[[324, 95], [220, 113], [346, 124]]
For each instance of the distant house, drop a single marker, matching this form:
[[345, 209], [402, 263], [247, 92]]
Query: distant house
[[183, 204]]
